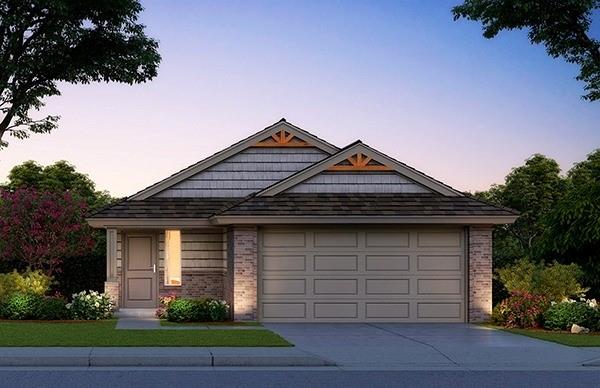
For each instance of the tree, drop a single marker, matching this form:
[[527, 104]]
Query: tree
[[44, 42], [39, 229], [562, 26], [532, 189], [58, 177], [573, 226]]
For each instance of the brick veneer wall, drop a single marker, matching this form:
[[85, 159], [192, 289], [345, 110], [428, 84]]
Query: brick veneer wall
[[113, 289], [480, 273], [241, 280], [195, 284]]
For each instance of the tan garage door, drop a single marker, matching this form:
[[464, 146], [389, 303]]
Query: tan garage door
[[345, 274]]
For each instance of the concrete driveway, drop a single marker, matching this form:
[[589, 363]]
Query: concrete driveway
[[430, 346]]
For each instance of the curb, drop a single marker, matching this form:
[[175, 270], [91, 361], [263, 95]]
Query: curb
[[595, 362], [157, 357]]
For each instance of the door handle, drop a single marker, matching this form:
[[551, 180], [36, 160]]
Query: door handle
[[154, 268]]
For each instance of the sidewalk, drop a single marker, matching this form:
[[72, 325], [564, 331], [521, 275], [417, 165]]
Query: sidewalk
[[158, 356]]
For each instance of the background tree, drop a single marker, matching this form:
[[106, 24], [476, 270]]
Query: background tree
[[572, 231], [39, 229], [58, 177], [44, 42], [562, 26], [533, 189]]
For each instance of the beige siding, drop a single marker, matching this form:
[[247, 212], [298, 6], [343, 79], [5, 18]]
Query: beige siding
[[350, 274], [200, 249], [358, 182], [245, 173]]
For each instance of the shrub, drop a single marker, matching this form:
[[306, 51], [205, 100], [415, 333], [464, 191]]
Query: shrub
[[52, 308], [30, 282], [555, 281], [218, 310], [91, 305], [165, 301], [562, 315], [203, 310], [182, 310], [520, 309], [21, 306]]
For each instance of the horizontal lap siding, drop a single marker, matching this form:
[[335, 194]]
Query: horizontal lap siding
[[245, 173], [358, 182], [201, 250]]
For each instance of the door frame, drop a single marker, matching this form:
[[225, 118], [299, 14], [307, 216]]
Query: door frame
[[125, 262]]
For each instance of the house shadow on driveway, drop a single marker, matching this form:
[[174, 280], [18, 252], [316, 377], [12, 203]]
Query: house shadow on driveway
[[429, 346]]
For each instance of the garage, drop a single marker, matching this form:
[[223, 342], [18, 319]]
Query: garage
[[362, 274]]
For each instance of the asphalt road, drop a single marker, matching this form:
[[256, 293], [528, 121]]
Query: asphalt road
[[113, 378]]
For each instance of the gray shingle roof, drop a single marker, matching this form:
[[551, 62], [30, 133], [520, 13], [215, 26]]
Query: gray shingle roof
[[364, 205], [165, 208]]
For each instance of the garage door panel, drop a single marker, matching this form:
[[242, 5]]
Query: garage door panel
[[335, 310], [387, 310], [438, 286], [336, 286], [284, 263], [439, 310], [336, 239], [284, 286], [387, 286], [439, 239], [387, 262], [284, 310], [438, 262], [358, 274], [284, 239], [387, 239], [336, 262]]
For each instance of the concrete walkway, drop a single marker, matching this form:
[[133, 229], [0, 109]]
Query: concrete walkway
[[430, 346]]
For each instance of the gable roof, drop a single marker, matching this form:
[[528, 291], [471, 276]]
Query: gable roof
[[361, 156], [271, 131]]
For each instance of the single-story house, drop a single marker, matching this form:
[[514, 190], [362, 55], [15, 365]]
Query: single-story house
[[289, 228]]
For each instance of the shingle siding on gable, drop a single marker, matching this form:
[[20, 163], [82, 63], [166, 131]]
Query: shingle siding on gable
[[358, 182], [245, 173]]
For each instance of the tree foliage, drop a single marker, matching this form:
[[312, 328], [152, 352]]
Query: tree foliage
[[562, 26], [43, 42], [39, 229], [560, 216], [58, 177]]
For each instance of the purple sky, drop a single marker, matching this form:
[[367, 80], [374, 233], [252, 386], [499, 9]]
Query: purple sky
[[401, 76]]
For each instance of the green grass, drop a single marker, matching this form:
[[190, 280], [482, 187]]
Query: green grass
[[180, 324], [560, 337], [103, 334]]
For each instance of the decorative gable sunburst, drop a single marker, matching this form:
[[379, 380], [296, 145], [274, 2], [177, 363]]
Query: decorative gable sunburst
[[283, 138], [359, 162]]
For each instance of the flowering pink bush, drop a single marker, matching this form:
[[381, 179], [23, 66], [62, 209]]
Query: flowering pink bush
[[521, 309], [40, 228], [165, 301]]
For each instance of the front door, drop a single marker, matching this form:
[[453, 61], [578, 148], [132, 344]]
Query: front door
[[140, 285]]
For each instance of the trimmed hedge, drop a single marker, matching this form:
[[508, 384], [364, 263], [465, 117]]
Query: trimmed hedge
[[197, 310]]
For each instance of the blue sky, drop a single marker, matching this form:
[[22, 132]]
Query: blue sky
[[402, 76]]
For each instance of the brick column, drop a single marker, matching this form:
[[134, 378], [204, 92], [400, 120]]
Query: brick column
[[242, 262], [480, 273], [112, 284]]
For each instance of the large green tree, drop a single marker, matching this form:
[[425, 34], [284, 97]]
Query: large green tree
[[562, 26], [58, 177], [43, 42], [532, 189], [572, 232]]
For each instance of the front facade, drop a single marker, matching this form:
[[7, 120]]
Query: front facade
[[289, 228]]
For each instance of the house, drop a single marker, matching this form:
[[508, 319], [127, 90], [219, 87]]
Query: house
[[290, 228]]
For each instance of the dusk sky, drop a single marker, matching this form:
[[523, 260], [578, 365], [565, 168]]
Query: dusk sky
[[402, 76]]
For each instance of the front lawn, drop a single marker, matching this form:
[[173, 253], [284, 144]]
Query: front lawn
[[560, 337], [103, 333]]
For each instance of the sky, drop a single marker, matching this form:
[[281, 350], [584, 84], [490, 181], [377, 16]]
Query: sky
[[401, 76]]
